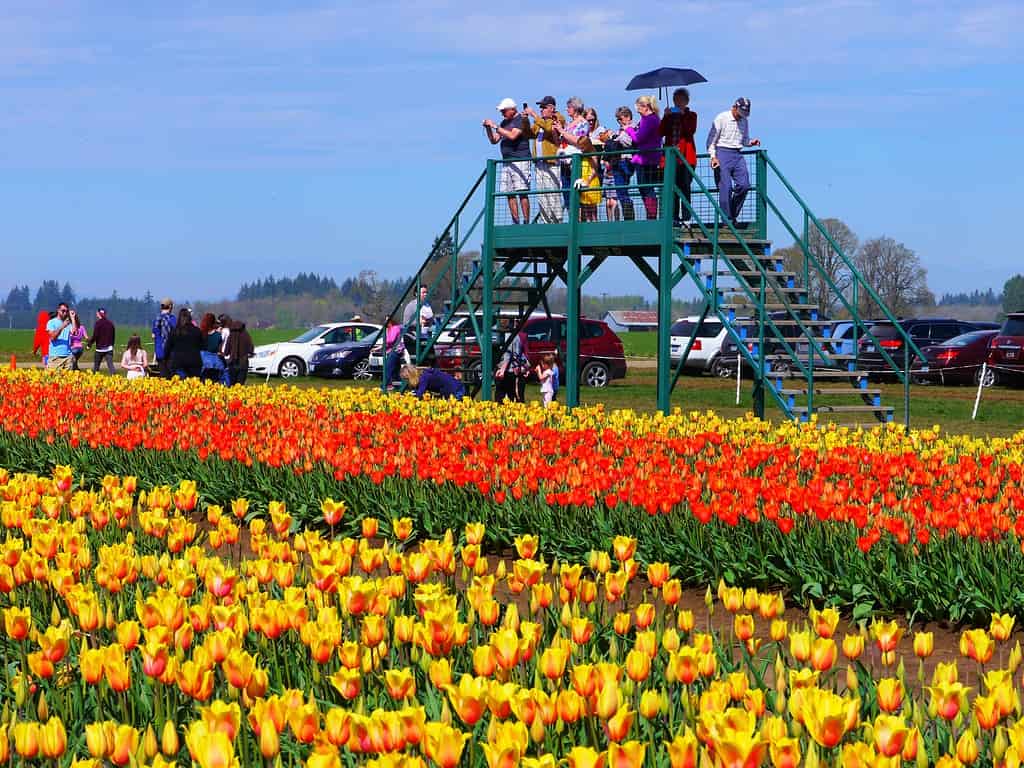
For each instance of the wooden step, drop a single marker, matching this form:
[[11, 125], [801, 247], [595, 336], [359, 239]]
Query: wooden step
[[770, 306], [844, 409], [830, 391], [824, 373], [749, 321]]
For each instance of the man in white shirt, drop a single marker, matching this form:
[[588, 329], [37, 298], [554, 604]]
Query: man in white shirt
[[729, 134]]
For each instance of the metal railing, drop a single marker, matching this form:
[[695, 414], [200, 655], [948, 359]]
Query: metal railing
[[623, 190]]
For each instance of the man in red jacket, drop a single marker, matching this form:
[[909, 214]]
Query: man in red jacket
[[678, 126]]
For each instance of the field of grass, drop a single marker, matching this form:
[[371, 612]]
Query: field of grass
[[19, 342]]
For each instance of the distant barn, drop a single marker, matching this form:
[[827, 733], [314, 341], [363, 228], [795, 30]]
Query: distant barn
[[631, 320]]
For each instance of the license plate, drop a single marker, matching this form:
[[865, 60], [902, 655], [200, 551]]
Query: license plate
[[1011, 355], [869, 347], [925, 368]]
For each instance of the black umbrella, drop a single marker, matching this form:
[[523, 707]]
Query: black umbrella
[[664, 77]]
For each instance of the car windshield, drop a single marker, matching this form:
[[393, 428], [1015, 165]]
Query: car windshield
[[965, 339], [1014, 326], [309, 335]]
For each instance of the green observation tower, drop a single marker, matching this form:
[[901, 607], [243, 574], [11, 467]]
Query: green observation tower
[[485, 276]]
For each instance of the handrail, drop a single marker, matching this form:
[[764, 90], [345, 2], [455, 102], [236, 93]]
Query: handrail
[[849, 264]]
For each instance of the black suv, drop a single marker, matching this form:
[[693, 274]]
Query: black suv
[[924, 332]]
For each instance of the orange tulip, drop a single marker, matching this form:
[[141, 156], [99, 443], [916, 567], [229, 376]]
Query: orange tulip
[[17, 622], [444, 744], [628, 755], [53, 738], [638, 666], [924, 644], [585, 757], [400, 684], [889, 692]]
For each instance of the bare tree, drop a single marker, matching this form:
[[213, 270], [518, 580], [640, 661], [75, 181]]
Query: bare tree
[[826, 267], [896, 274]]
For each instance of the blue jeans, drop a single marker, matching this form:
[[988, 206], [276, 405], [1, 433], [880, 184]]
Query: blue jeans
[[733, 181], [622, 172], [214, 368], [391, 365]]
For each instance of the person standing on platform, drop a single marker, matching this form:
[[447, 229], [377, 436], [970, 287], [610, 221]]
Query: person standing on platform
[[728, 136], [648, 158], [546, 171], [678, 126], [515, 152]]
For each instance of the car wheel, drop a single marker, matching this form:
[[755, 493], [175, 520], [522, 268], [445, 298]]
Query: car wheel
[[721, 369], [596, 374], [921, 381], [781, 368], [991, 378], [291, 367], [361, 371]]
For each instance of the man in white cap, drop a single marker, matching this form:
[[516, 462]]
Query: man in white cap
[[729, 134], [516, 158]]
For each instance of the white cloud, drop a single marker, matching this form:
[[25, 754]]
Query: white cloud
[[993, 25]]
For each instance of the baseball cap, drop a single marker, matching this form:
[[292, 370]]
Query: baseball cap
[[546, 101], [743, 105], [506, 104]]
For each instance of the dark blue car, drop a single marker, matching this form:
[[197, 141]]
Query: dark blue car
[[350, 359]]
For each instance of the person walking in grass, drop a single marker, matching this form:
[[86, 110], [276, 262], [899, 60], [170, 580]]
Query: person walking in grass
[[41, 339], [77, 339], [58, 330], [162, 327], [103, 335]]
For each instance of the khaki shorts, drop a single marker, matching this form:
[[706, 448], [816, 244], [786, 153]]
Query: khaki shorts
[[59, 363], [515, 176]]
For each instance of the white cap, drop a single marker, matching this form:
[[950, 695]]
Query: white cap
[[506, 104]]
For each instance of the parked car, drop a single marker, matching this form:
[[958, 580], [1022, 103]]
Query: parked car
[[956, 361], [350, 359], [922, 331], [842, 335], [706, 346], [777, 357], [291, 358], [602, 357], [1006, 350]]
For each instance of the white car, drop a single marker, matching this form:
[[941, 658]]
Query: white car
[[706, 347], [291, 358]]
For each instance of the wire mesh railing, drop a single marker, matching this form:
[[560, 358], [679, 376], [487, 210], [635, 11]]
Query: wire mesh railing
[[612, 186]]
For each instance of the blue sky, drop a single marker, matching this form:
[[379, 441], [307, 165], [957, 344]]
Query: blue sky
[[185, 147]]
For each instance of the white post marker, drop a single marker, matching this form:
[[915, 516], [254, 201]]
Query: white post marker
[[739, 371], [981, 384]]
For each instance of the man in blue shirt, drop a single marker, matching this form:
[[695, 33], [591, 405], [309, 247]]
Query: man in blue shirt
[[59, 331]]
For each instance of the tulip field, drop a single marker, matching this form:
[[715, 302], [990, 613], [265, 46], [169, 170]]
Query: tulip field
[[233, 577]]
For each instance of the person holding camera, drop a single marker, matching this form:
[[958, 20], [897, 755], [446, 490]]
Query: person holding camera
[[59, 331], [516, 157], [546, 165]]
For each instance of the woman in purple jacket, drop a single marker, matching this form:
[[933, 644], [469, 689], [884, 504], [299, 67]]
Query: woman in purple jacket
[[648, 155]]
